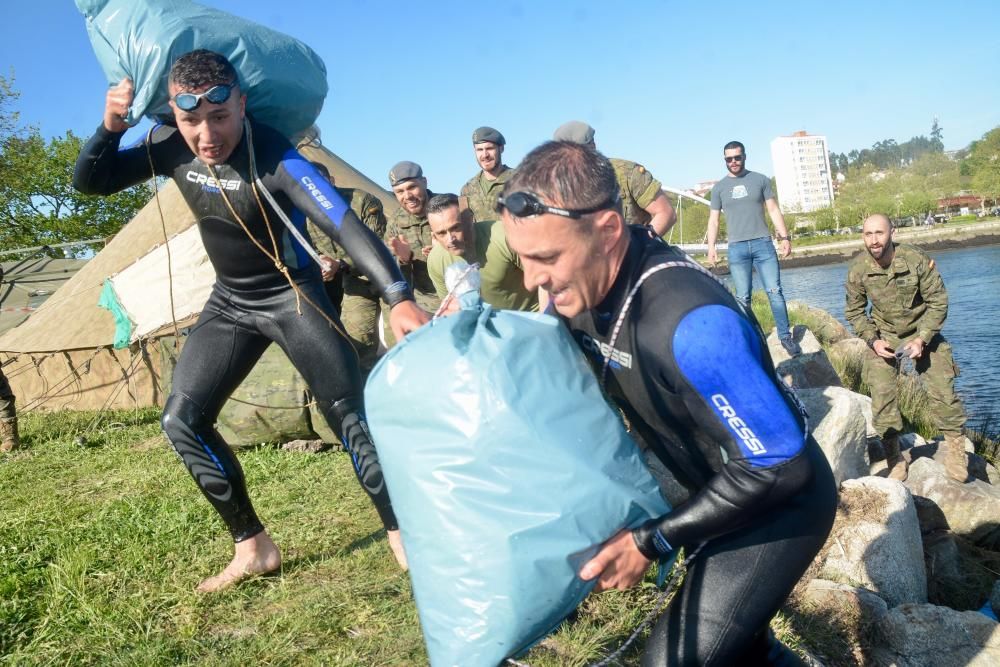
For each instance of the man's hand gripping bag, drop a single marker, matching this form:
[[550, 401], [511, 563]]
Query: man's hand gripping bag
[[507, 469]]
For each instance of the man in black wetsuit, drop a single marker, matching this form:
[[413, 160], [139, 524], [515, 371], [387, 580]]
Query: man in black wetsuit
[[693, 375], [267, 288]]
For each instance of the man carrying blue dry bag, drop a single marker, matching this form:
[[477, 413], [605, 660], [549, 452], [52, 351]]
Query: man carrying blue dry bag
[[693, 375]]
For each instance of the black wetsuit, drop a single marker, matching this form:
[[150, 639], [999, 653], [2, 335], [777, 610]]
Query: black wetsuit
[[695, 379], [252, 303]]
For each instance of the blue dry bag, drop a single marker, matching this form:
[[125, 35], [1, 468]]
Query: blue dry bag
[[507, 469], [284, 79]]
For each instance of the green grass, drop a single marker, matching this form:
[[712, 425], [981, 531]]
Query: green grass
[[102, 545]]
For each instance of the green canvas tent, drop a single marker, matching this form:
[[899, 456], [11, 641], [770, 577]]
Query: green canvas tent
[[64, 355]]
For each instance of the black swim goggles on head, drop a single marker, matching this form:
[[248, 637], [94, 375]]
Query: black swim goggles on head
[[527, 205], [216, 95]]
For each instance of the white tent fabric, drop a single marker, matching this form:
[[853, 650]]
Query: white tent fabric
[[144, 288]]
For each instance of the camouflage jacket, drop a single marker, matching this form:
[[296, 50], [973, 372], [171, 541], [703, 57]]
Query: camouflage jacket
[[481, 193], [368, 208], [908, 299], [638, 190], [417, 232]]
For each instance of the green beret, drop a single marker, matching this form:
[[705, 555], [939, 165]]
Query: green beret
[[404, 171], [576, 131], [483, 134]]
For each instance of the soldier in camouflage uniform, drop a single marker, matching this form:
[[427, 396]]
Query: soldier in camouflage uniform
[[643, 200], [359, 304], [408, 234], [908, 307], [9, 439], [480, 193]]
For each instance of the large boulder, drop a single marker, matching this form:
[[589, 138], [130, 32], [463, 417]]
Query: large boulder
[[972, 509], [825, 326], [856, 601], [875, 542], [836, 419], [809, 369], [926, 635]]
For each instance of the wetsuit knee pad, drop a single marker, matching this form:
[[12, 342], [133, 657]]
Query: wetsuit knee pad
[[353, 430], [182, 417], [211, 463]]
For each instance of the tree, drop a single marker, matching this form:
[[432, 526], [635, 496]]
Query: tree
[[937, 136], [8, 116], [38, 204], [983, 165]]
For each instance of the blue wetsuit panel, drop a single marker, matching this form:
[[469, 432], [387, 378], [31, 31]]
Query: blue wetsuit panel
[[718, 352]]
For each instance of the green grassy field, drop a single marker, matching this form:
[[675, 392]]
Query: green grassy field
[[101, 548]]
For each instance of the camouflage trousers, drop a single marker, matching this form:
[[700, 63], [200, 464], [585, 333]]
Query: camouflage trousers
[[936, 368], [6, 399], [429, 301], [359, 315]]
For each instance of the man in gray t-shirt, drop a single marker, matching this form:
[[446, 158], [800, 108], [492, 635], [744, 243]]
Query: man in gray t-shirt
[[743, 194]]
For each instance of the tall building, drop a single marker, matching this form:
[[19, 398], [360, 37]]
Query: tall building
[[802, 171]]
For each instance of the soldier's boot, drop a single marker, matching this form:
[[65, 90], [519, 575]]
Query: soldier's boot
[[898, 468], [956, 463], [9, 439]]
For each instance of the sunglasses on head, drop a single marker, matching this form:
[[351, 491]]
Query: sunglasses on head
[[527, 205], [735, 158], [216, 95]]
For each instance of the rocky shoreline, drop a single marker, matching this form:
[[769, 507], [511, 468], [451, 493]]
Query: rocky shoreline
[[930, 245]]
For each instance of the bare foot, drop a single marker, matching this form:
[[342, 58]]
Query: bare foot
[[254, 557], [396, 544]]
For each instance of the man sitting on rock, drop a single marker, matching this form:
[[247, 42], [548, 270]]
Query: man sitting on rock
[[908, 307]]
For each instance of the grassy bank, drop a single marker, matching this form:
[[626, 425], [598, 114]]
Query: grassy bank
[[103, 545]]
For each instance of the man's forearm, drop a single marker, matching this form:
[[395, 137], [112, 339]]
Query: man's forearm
[[712, 234]]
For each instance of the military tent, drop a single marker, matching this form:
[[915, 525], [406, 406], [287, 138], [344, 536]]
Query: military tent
[[64, 356], [28, 282]]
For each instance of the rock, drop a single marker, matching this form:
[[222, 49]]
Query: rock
[[875, 541], [808, 370], [305, 446], [972, 509], [993, 474], [941, 557], [837, 423], [910, 440], [928, 635], [825, 326], [981, 469], [869, 606], [929, 516]]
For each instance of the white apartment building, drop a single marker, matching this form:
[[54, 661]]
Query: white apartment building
[[802, 172]]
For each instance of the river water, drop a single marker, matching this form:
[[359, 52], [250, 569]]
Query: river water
[[972, 278]]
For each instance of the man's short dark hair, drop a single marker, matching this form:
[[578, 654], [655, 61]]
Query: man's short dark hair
[[440, 202], [734, 144], [202, 68], [566, 173]]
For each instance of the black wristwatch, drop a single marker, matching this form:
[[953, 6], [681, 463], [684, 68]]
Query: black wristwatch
[[784, 238]]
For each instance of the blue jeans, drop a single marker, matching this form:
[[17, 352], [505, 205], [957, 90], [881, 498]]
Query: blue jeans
[[759, 253]]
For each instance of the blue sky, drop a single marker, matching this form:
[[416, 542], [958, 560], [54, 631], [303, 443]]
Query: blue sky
[[665, 83]]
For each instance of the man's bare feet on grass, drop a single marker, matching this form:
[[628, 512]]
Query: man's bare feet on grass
[[396, 544], [254, 556]]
